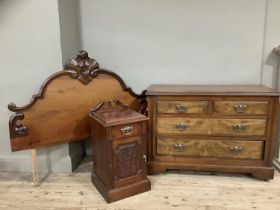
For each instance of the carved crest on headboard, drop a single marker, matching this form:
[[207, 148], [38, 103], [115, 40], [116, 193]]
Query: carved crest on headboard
[[84, 66], [277, 50]]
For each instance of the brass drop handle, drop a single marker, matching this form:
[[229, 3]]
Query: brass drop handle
[[236, 149], [127, 130], [180, 147], [181, 108], [240, 108], [181, 126], [239, 127]]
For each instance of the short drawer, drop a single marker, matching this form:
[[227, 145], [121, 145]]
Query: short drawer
[[211, 148], [127, 130], [210, 126], [241, 107], [189, 107]]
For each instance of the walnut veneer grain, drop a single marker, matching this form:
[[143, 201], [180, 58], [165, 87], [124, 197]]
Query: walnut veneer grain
[[235, 107], [211, 148], [211, 126]]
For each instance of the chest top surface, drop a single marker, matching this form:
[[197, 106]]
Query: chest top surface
[[113, 112], [227, 90]]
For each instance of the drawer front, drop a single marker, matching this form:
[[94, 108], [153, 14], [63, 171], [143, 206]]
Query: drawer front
[[240, 108], [211, 148], [192, 107], [206, 126], [127, 130]]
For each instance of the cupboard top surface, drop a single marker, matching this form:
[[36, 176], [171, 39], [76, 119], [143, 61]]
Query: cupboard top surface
[[228, 90], [111, 113]]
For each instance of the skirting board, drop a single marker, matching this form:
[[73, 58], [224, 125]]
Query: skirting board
[[64, 165], [44, 164], [276, 164], [77, 153]]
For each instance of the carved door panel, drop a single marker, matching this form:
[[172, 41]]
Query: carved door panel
[[128, 162]]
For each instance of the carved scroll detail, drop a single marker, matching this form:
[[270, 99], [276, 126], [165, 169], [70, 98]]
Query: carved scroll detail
[[277, 50], [84, 66], [143, 103], [17, 129]]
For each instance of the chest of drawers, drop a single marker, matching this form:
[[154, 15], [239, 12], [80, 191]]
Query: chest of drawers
[[119, 151], [217, 128]]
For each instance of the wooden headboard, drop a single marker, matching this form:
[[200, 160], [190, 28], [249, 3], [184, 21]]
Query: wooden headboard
[[59, 113]]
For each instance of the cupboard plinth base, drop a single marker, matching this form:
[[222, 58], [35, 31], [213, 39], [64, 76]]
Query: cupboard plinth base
[[112, 195]]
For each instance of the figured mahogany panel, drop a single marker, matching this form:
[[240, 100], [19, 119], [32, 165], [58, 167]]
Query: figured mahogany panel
[[211, 126], [211, 148], [59, 112]]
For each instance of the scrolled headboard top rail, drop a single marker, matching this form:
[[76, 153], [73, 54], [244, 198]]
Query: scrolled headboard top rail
[[58, 113], [14, 108]]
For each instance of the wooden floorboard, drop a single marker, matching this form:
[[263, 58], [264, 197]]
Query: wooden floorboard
[[171, 190]]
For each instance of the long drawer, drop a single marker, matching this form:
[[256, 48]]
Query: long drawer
[[211, 148], [211, 126]]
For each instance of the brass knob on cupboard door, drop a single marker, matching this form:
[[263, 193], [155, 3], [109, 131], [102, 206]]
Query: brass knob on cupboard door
[[145, 158]]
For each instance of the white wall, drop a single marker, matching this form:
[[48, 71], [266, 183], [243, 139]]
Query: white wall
[[270, 74], [176, 41], [29, 52], [69, 28]]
